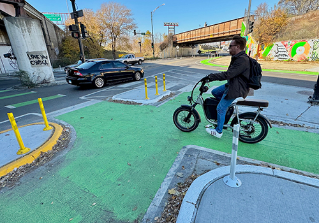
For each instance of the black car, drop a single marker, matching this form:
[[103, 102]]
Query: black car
[[98, 72]]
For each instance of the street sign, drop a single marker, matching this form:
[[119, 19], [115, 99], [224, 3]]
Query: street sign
[[170, 24], [76, 14], [53, 17]]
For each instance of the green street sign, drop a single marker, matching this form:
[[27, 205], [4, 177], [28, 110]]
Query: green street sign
[[143, 34], [53, 17]]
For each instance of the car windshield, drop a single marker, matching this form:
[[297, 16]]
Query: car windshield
[[125, 56], [87, 65]]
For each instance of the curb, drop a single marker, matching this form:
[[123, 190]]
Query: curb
[[30, 157], [190, 154]]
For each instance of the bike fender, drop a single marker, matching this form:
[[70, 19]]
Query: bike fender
[[194, 110], [260, 115], [266, 119]]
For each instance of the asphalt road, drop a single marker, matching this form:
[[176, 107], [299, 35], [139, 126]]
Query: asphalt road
[[179, 73]]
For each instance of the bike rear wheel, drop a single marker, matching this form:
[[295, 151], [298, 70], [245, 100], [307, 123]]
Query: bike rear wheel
[[251, 131], [185, 120]]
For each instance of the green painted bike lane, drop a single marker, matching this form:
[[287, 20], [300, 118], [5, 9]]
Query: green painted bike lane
[[121, 156]]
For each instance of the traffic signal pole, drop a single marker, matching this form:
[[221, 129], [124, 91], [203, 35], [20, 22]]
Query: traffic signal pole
[[77, 24], [248, 19]]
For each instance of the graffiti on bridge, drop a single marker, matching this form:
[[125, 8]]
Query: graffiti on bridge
[[38, 58]]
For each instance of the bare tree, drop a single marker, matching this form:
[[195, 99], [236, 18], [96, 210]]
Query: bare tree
[[299, 7], [115, 21]]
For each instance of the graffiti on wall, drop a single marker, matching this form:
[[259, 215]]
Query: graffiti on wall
[[38, 58], [297, 50]]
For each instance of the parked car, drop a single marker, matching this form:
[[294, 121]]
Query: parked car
[[68, 67], [131, 59], [98, 72]]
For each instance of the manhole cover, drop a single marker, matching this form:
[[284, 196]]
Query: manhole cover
[[305, 92]]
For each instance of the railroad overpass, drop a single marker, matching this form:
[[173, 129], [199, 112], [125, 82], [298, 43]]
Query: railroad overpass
[[213, 33]]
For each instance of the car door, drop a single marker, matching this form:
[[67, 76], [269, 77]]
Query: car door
[[108, 71], [124, 69]]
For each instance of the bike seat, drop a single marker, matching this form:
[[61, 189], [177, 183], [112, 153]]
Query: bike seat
[[253, 102]]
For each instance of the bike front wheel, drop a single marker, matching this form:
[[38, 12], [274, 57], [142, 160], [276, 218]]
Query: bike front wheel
[[251, 131], [185, 119]]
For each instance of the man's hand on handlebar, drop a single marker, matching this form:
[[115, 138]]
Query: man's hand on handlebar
[[205, 79]]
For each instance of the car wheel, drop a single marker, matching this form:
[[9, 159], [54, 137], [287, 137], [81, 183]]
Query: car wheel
[[99, 82], [137, 76], [139, 62]]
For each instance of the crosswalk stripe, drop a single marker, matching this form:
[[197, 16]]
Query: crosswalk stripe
[[34, 101], [16, 95]]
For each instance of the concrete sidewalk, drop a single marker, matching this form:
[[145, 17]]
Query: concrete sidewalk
[[266, 195]]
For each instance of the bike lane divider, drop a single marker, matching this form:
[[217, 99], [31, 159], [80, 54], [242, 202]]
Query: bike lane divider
[[35, 101], [4, 91], [16, 95]]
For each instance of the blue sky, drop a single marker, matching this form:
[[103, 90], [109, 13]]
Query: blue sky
[[190, 14]]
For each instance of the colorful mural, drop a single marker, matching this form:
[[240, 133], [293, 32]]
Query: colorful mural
[[297, 50]]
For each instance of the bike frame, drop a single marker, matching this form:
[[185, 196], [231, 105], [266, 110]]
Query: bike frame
[[200, 101]]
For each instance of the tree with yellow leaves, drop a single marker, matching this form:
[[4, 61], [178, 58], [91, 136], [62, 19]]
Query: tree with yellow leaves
[[268, 23]]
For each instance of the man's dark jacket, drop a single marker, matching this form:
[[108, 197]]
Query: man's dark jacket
[[236, 75]]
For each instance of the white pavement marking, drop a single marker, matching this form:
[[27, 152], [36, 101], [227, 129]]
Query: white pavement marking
[[9, 106], [37, 114], [72, 108], [84, 97]]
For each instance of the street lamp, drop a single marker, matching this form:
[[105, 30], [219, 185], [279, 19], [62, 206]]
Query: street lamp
[[152, 26]]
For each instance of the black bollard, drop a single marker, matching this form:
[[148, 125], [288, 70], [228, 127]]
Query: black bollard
[[315, 97]]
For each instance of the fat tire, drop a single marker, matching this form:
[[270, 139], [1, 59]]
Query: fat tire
[[139, 62], [180, 124], [259, 121]]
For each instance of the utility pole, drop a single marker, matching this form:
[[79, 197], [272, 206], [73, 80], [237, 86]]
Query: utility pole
[[248, 18], [77, 25]]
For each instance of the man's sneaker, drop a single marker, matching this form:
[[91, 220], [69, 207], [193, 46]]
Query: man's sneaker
[[213, 132]]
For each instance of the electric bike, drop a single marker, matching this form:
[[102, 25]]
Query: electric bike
[[253, 125]]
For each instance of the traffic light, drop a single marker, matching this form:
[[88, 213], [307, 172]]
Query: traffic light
[[75, 31], [251, 27], [134, 32], [76, 34], [83, 30], [152, 45], [73, 28]]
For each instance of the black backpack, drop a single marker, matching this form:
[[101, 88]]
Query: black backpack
[[254, 81]]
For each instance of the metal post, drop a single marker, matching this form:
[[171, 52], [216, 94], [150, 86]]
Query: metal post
[[152, 33], [231, 180], [145, 82], [22, 149], [77, 24], [47, 127], [248, 17], [152, 27]]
